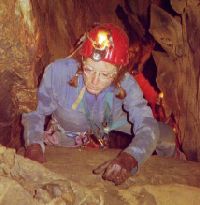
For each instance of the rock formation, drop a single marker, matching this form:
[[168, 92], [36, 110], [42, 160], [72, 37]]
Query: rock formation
[[68, 179], [35, 32], [179, 66]]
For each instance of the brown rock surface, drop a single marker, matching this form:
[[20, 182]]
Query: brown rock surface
[[26, 182], [34, 33], [18, 48], [68, 179], [159, 181], [179, 68]]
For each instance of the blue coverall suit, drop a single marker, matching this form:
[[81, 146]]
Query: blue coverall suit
[[57, 98]]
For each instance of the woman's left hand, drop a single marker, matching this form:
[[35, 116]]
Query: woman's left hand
[[117, 170]]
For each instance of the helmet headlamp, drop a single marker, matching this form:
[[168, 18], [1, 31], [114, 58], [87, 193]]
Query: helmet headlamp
[[106, 42], [101, 44]]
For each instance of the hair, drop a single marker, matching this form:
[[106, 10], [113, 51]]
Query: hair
[[116, 82], [74, 80]]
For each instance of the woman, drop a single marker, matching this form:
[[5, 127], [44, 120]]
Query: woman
[[93, 97]]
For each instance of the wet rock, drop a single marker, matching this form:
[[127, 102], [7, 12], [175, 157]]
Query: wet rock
[[178, 68], [37, 184], [159, 180], [66, 178]]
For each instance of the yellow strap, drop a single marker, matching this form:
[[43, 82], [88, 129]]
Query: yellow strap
[[79, 98]]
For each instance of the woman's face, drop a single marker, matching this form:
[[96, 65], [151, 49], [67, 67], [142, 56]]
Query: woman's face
[[98, 75]]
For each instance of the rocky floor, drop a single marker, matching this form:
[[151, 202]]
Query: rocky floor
[[159, 180], [66, 178]]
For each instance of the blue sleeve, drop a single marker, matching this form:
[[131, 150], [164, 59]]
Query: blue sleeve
[[51, 93], [33, 122], [145, 127]]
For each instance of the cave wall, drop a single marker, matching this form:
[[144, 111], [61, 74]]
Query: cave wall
[[35, 32], [18, 47], [175, 25], [179, 67], [32, 34], [62, 23]]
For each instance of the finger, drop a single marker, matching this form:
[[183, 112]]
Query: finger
[[101, 168], [111, 171], [116, 172], [54, 139], [121, 178], [48, 142]]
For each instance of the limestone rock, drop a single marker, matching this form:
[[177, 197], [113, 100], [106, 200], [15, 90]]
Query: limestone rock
[[159, 180], [30, 181], [18, 43], [178, 68], [13, 193], [178, 5], [161, 194], [33, 34], [66, 178], [167, 31]]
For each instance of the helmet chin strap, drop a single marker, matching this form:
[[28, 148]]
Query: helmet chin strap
[[78, 45]]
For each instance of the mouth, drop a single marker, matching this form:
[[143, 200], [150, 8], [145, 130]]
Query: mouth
[[92, 87], [93, 90]]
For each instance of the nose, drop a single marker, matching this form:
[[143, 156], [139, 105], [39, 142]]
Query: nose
[[95, 78]]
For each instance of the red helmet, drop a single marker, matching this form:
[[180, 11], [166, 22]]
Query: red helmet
[[106, 42]]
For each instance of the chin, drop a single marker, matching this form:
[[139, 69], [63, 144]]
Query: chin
[[92, 91]]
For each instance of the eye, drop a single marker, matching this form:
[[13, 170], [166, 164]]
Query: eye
[[106, 74], [87, 69]]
